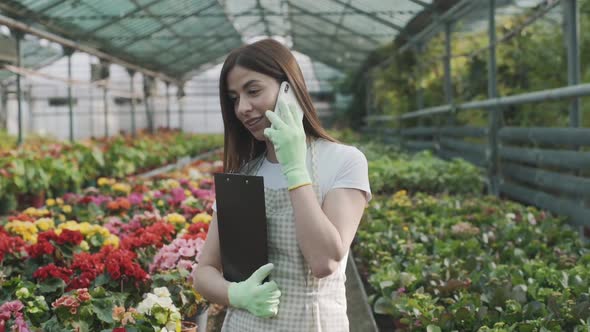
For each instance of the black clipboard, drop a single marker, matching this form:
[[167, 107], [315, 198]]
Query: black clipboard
[[241, 220]]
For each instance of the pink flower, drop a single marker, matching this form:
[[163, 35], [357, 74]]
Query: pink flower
[[185, 264], [135, 198], [12, 306], [202, 193], [187, 251], [178, 195]]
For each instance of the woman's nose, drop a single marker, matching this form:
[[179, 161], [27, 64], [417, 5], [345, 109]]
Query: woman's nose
[[244, 106]]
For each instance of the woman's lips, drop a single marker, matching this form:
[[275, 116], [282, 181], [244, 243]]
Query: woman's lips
[[253, 122]]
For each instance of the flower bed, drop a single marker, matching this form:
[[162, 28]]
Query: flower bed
[[112, 256], [455, 263], [30, 174]]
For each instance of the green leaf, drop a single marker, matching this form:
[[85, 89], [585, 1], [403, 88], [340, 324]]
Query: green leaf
[[382, 306], [103, 309], [51, 285], [102, 279], [433, 328], [53, 325]]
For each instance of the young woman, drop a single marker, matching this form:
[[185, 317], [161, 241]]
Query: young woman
[[315, 195]]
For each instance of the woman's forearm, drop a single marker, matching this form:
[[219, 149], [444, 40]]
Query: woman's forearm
[[318, 238], [209, 282]]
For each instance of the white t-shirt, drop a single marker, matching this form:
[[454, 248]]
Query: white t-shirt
[[338, 166]]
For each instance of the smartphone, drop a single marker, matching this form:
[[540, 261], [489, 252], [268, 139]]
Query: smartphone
[[287, 95]]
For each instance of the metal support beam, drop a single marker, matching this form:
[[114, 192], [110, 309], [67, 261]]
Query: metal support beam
[[571, 13], [495, 113], [120, 18], [372, 16], [14, 24], [448, 82], [3, 105], [324, 20], [263, 18], [458, 10], [147, 85], [163, 27], [18, 35], [69, 52], [106, 110], [131, 73], [419, 71], [180, 100], [167, 105], [422, 3]]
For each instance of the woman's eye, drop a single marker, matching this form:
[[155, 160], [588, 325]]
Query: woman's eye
[[253, 92]]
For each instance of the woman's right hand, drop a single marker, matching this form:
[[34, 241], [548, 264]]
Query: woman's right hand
[[260, 299]]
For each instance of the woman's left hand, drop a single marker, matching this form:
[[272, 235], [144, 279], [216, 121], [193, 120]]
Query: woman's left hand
[[288, 137]]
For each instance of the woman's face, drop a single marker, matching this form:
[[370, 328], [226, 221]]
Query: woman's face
[[252, 94]]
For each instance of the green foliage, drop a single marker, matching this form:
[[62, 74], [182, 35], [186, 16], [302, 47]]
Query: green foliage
[[468, 263], [391, 170], [533, 59]]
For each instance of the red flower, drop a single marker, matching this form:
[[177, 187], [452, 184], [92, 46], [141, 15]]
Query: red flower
[[10, 244], [71, 237], [40, 248], [119, 329], [119, 262], [52, 271]]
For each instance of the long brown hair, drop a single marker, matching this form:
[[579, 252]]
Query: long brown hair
[[271, 58]]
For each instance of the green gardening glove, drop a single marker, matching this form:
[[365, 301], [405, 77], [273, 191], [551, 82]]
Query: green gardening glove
[[259, 299], [288, 137]]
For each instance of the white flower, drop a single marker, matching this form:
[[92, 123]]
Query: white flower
[[531, 219], [162, 292], [510, 216], [145, 306]]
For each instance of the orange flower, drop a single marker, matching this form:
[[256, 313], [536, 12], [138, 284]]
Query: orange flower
[[124, 203], [113, 205]]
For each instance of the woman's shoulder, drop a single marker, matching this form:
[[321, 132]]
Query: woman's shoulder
[[331, 149]]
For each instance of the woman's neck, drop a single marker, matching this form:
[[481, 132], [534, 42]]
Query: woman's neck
[[270, 152]]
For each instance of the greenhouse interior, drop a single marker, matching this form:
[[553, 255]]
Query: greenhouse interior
[[454, 134]]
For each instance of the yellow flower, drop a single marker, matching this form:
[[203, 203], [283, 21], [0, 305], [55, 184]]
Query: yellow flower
[[66, 209], [103, 182], [104, 232], [175, 218], [160, 203], [59, 201], [202, 217], [50, 202], [194, 184], [84, 245], [122, 188], [30, 211], [85, 228], [61, 218], [72, 225], [26, 230], [111, 240], [171, 184], [405, 228], [45, 224], [188, 193]]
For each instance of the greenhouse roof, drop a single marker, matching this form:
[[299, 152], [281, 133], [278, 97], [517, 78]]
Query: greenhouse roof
[[34, 54], [177, 37]]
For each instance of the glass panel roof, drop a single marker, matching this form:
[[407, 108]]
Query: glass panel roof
[[181, 37], [35, 54]]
